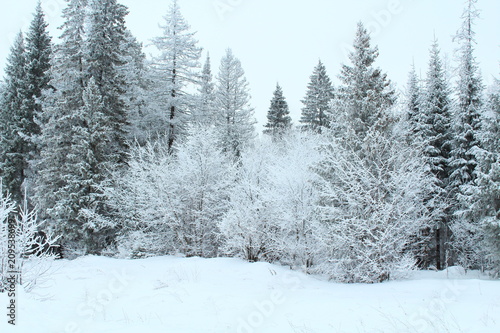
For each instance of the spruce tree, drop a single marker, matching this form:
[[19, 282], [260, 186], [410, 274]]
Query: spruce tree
[[38, 66], [14, 146], [83, 126], [204, 111], [414, 99], [437, 133], [234, 114], [175, 70], [467, 145], [316, 112], [366, 93], [104, 54], [278, 116], [469, 104]]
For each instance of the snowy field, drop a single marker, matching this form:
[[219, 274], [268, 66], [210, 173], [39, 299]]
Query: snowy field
[[170, 294]]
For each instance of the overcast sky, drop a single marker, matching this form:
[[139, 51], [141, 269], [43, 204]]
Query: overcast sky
[[282, 40]]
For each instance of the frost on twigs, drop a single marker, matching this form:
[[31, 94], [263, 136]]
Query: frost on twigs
[[32, 249]]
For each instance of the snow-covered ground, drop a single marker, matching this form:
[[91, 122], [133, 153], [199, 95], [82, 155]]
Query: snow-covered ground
[[170, 294]]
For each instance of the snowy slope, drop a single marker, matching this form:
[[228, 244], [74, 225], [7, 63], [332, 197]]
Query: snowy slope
[[170, 294]]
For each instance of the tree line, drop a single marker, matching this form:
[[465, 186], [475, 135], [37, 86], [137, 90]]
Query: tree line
[[129, 156]]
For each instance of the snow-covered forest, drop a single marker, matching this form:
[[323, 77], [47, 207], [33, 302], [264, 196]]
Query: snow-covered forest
[[106, 151]]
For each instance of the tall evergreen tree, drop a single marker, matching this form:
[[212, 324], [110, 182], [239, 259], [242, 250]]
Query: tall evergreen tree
[[234, 113], [467, 145], [204, 111], [176, 68], [469, 106], [316, 112], [436, 131], [278, 116], [14, 146], [414, 99], [38, 65], [104, 52], [137, 97], [68, 78], [83, 127], [366, 93]]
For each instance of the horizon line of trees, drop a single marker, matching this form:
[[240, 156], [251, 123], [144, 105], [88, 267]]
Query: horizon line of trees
[[119, 156]]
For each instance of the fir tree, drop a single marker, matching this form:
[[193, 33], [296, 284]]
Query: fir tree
[[316, 113], [366, 93], [83, 126], [176, 68], [464, 158], [234, 113], [14, 146], [437, 133], [104, 54], [469, 90], [278, 116], [414, 100], [38, 66], [204, 112]]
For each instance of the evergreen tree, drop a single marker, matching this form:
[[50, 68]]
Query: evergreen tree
[[414, 100], [137, 93], [469, 106], [437, 133], [486, 194], [176, 68], [234, 113], [464, 158], [38, 65], [366, 93], [106, 35], [83, 126], [278, 116], [68, 78], [204, 112], [14, 146], [316, 113]]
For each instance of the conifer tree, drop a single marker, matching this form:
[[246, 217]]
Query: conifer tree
[[175, 70], [366, 93], [316, 113], [467, 143], [414, 101], [104, 54], [204, 112], [83, 125], [14, 147], [234, 113], [278, 116], [437, 133]]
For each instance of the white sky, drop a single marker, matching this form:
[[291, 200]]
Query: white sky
[[282, 40]]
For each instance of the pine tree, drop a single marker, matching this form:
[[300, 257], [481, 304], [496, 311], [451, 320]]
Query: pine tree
[[106, 35], [137, 93], [175, 69], [204, 112], [38, 66], [469, 106], [234, 113], [83, 126], [464, 159], [316, 113], [414, 101], [437, 133], [278, 116], [366, 93], [14, 147], [486, 194], [68, 77]]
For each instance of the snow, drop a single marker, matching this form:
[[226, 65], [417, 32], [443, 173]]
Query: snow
[[174, 294]]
